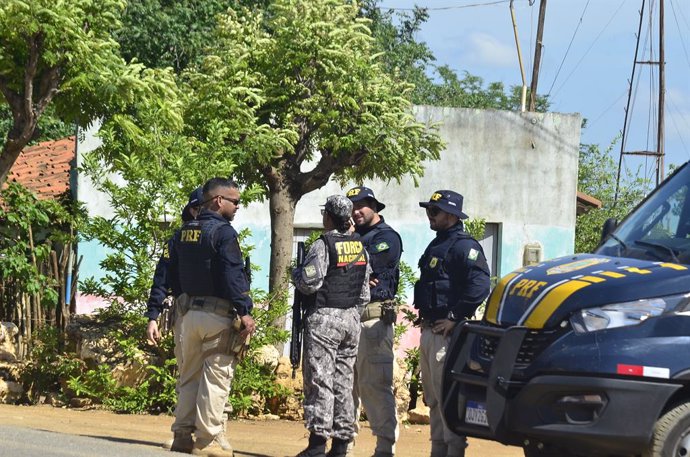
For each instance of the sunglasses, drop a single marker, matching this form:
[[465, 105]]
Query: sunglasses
[[433, 211], [234, 201]]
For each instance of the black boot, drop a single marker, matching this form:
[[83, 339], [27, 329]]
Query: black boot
[[316, 448], [338, 448]]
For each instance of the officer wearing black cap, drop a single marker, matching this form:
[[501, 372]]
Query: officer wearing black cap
[[454, 281], [335, 272], [207, 275], [374, 367], [161, 286]]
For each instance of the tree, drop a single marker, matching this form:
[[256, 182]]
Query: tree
[[320, 100], [62, 54], [596, 176], [412, 61]]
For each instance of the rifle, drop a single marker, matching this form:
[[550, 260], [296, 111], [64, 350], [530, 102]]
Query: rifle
[[248, 270], [297, 314]]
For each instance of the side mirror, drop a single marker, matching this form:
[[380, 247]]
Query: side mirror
[[607, 229]]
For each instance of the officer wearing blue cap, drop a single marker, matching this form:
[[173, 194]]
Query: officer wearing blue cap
[[161, 286], [454, 281], [374, 380]]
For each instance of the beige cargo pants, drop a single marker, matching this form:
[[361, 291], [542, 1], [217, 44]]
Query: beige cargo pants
[[432, 354], [204, 382], [373, 387]]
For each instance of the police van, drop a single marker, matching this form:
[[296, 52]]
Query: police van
[[589, 354]]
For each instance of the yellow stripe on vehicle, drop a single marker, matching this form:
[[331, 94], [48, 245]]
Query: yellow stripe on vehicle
[[612, 274], [637, 270], [495, 299], [673, 266], [552, 301], [592, 279]]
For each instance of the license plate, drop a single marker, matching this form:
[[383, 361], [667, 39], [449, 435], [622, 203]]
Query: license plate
[[475, 413]]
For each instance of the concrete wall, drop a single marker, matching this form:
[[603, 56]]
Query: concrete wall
[[515, 170]]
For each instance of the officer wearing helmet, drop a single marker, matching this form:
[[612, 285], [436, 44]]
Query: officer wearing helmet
[[453, 282]]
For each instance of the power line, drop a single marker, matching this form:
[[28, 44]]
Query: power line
[[590, 47], [569, 45], [680, 34], [454, 7]]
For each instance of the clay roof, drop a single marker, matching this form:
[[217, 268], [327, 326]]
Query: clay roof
[[45, 168], [586, 202]]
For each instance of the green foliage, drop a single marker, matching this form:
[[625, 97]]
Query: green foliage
[[66, 51], [412, 61], [253, 380], [168, 33], [50, 127], [597, 178], [29, 231], [47, 364], [475, 227]]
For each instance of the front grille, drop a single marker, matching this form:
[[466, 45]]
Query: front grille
[[534, 344]]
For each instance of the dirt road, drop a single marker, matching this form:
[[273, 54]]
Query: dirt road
[[249, 438]]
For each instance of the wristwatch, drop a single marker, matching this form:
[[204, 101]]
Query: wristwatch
[[453, 317]]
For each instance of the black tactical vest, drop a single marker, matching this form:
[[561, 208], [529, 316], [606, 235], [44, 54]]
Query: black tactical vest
[[347, 267], [388, 277], [195, 251], [433, 292]]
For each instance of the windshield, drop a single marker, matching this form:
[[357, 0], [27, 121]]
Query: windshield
[[659, 229]]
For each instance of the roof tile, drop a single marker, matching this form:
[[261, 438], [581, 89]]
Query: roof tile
[[45, 168]]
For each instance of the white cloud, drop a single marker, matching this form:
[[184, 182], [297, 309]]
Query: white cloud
[[485, 49]]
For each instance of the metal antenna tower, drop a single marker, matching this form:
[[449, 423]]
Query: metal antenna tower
[[659, 152]]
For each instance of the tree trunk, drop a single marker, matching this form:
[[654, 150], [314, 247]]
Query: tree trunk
[[282, 206], [8, 156]]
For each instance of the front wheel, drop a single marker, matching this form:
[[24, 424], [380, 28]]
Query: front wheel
[[671, 434]]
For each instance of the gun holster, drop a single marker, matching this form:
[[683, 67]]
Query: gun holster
[[389, 312], [227, 342]]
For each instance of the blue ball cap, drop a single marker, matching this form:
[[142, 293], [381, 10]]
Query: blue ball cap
[[195, 199], [446, 200], [360, 193]]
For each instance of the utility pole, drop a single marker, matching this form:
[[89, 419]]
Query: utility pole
[[662, 99], [537, 56]]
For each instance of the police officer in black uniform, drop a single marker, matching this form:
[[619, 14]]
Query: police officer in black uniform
[[375, 356], [207, 275], [454, 281], [160, 289]]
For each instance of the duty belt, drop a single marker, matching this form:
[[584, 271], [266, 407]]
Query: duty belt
[[215, 305], [386, 310]]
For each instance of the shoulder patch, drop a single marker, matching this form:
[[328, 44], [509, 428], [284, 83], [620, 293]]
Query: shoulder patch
[[382, 246], [310, 271], [473, 254]]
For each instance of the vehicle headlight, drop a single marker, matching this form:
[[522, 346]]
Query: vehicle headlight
[[627, 313]]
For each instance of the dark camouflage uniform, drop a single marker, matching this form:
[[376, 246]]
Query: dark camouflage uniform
[[331, 337]]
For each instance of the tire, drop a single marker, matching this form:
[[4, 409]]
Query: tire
[[671, 434]]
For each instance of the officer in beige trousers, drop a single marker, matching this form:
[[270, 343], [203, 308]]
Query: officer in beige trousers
[[373, 387], [207, 275]]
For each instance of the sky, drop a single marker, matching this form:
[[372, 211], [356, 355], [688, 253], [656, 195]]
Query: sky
[[587, 60]]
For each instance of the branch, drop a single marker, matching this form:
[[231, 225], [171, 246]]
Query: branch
[[35, 43], [47, 89]]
